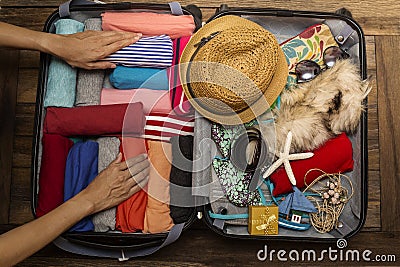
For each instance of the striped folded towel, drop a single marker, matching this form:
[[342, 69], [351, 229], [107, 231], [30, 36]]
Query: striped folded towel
[[151, 52], [161, 126]]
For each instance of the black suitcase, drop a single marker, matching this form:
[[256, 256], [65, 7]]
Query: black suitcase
[[124, 246]]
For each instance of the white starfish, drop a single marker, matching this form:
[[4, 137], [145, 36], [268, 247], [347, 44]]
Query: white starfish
[[285, 157]]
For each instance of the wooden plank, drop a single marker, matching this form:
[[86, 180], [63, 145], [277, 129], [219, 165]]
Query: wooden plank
[[22, 212], [32, 18], [21, 181], [20, 206], [375, 17], [29, 59], [387, 55], [24, 121], [8, 97], [370, 52], [22, 151], [373, 219], [27, 86], [220, 251]]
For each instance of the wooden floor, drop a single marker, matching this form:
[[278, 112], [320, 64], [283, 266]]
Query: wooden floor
[[199, 246]]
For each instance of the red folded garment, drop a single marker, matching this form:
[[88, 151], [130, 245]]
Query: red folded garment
[[130, 213], [95, 120], [335, 156], [52, 171]]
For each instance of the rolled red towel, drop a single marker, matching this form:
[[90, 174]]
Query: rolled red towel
[[335, 156], [52, 171], [96, 120]]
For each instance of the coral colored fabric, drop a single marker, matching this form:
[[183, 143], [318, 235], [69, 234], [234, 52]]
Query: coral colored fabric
[[130, 213], [52, 171], [153, 100], [149, 24], [157, 218], [132, 147], [179, 101], [95, 120], [335, 156]]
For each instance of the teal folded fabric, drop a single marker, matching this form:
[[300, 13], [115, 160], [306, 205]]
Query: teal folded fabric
[[61, 81], [135, 77]]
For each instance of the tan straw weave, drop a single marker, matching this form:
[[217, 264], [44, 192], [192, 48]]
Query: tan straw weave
[[237, 74]]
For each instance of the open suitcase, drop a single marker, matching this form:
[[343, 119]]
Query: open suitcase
[[284, 24]]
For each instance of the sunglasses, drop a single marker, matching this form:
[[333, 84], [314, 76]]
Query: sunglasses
[[306, 70]]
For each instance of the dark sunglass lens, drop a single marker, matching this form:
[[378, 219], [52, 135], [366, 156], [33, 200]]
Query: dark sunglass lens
[[332, 54], [306, 70]]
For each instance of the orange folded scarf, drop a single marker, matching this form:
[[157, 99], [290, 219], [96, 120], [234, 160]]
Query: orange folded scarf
[[149, 24], [157, 218], [130, 213]]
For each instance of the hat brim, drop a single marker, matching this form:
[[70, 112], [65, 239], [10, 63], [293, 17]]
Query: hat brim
[[257, 108]]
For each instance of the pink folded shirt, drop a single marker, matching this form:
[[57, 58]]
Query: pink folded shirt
[[149, 24], [179, 101], [153, 100]]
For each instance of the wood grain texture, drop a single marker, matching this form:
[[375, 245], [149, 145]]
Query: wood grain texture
[[375, 18], [27, 86], [205, 248], [199, 246], [387, 56], [32, 18], [9, 60], [20, 207], [373, 219]]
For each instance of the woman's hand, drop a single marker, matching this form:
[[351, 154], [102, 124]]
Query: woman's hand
[[85, 49], [119, 181]]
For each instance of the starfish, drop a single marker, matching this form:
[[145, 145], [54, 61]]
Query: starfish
[[285, 157]]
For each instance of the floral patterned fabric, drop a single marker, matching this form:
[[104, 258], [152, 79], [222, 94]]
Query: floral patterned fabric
[[310, 44], [234, 182]]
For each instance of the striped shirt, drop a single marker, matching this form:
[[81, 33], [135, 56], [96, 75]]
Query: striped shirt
[[151, 52]]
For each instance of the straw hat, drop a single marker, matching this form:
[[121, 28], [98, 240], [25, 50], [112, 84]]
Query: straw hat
[[235, 70]]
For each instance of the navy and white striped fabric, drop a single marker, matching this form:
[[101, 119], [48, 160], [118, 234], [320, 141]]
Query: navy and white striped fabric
[[152, 52]]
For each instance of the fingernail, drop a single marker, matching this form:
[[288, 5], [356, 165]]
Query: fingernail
[[138, 35]]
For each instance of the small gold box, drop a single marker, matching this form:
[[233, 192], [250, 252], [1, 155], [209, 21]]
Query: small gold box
[[263, 220]]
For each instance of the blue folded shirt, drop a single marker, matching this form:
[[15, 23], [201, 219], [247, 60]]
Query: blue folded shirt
[[81, 168], [133, 78]]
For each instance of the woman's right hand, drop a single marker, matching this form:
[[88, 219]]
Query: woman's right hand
[[119, 181]]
